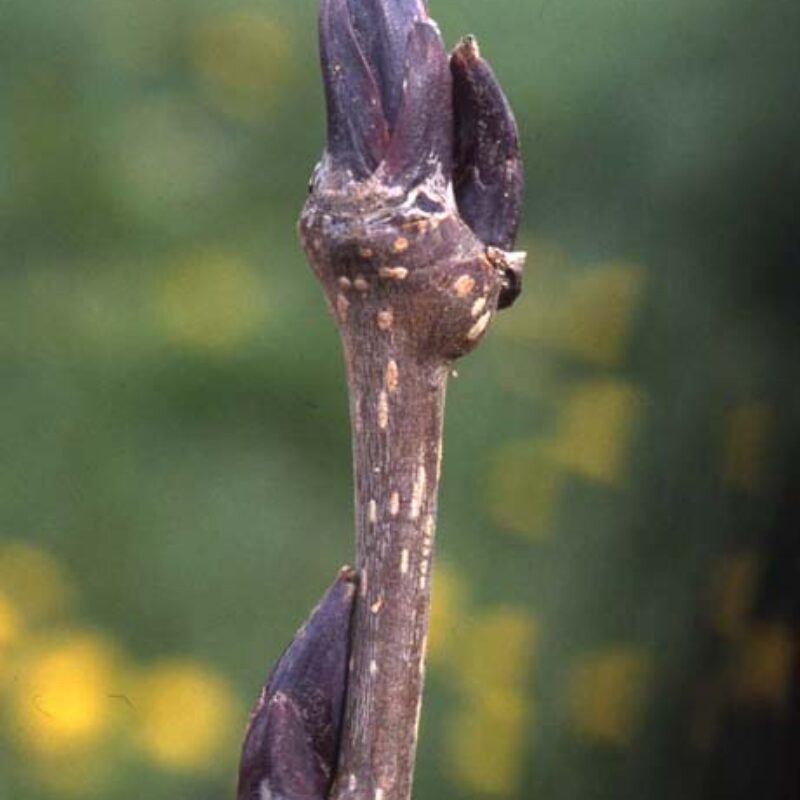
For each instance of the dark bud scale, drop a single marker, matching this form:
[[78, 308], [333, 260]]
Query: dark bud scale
[[292, 741], [487, 176]]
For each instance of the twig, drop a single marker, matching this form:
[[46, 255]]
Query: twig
[[411, 213], [412, 288]]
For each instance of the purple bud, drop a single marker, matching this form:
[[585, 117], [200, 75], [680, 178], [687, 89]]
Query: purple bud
[[422, 141], [292, 742], [488, 171], [382, 28], [414, 138], [388, 89], [357, 129]]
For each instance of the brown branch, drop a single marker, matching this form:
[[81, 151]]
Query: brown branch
[[411, 211], [397, 477], [409, 296], [412, 287]]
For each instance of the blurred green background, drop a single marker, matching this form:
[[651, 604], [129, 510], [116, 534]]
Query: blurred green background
[[616, 601]]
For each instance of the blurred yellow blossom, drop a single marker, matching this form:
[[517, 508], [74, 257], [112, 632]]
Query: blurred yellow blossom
[[523, 488], [211, 300], [447, 613], [607, 692], [486, 742], [763, 670], [593, 319], [733, 588], [10, 632], [187, 716], [487, 746], [10, 623], [34, 582], [242, 62], [595, 429], [747, 431], [508, 636], [63, 696], [586, 313]]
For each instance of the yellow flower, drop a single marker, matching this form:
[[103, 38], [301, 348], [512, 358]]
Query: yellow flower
[[762, 675], [447, 614], [487, 742], [508, 637], [210, 300], [607, 693], [745, 447], [586, 313], [63, 696], [596, 428], [10, 632], [733, 591], [242, 61], [487, 738], [187, 716], [9, 623]]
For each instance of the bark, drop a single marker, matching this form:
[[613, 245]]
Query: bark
[[410, 295], [397, 472], [411, 212], [407, 226]]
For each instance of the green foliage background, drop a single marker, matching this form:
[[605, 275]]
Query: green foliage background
[[617, 606]]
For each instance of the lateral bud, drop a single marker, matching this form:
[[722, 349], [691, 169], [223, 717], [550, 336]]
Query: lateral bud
[[488, 165], [292, 741]]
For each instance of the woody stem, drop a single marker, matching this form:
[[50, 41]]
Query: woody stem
[[397, 405]]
